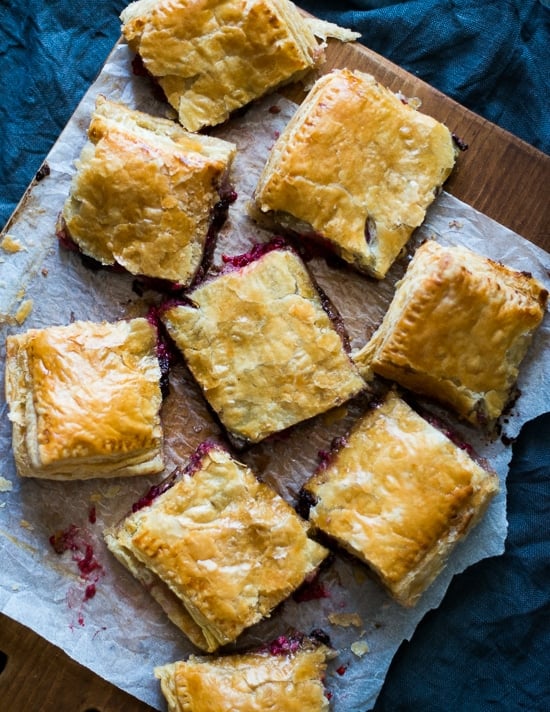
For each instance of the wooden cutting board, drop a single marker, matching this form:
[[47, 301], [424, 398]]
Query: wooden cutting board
[[498, 174]]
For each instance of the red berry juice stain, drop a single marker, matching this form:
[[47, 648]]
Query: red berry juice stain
[[78, 542], [258, 249], [155, 491], [312, 589], [311, 592], [285, 645], [90, 591]]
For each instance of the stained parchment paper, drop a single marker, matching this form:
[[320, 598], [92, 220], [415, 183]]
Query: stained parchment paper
[[83, 600]]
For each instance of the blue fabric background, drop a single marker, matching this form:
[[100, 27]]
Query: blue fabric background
[[487, 646]]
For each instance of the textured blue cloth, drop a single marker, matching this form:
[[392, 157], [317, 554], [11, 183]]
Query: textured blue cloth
[[487, 646]]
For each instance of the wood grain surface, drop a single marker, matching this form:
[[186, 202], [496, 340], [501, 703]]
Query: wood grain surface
[[498, 175]]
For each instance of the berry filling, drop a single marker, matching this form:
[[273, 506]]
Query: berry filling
[[155, 491]]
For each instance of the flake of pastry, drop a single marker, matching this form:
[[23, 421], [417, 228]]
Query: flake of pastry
[[84, 400], [457, 330], [325, 30], [5, 485], [147, 195], [359, 648], [262, 347], [212, 57], [399, 495], [250, 681], [23, 311], [346, 619], [218, 549], [11, 244], [356, 169]]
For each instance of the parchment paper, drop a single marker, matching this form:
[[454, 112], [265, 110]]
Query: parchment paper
[[119, 632]]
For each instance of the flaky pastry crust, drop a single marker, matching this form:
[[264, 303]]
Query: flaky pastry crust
[[218, 550], [457, 330], [262, 348], [249, 682], [145, 192], [399, 495], [212, 57], [356, 167], [84, 400]]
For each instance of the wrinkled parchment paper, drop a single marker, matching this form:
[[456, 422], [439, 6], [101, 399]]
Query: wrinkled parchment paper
[[120, 632]]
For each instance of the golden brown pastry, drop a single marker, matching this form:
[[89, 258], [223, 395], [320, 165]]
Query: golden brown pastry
[[457, 330], [145, 193], [212, 57], [249, 682], [84, 400], [399, 495], [262, 348], [356, 167], [218, 549]]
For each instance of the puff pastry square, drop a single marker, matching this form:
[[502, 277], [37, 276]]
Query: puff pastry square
[[146, 193], [399, 495], [218, 549], [85, 399], [457, 330], [356, 168], [212, 57], [263, 349], [248, 682]]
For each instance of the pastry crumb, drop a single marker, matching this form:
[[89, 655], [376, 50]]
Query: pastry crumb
[[11, 245], [360, 648], [24, 310], [324, 30], [345, 619], [413, 101], [26, 525], [5, 485]]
